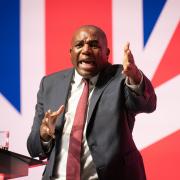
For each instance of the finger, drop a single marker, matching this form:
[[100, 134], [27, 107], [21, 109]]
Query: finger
[[45, 130], [125, 71], [51, 134], [45, 121], [58, 112], [128, 57], [47, 113], [49, 131], [125, 60], [126, 47]]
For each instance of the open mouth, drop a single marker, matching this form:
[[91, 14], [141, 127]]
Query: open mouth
[[87, 61], [87, 64]]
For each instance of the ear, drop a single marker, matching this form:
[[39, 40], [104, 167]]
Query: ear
[[108, 52]]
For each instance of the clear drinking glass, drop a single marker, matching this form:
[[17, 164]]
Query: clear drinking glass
[[4, 140]]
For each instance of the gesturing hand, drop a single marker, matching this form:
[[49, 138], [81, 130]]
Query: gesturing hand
[[47, 127], [129, 67]]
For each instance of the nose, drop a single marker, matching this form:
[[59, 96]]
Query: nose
[[86, 49]]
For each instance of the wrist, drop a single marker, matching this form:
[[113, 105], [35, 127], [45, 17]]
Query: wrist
[[46, 138]]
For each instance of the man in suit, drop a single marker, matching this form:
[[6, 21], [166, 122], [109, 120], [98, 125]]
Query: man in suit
[[116, 94]]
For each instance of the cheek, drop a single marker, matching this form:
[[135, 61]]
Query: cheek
[[75, 52], [100, 57], [73, 57]]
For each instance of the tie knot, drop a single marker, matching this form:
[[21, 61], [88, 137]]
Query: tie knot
[[86, 81]]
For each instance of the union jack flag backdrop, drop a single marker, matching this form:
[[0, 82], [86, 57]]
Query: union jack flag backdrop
[[35, 39]]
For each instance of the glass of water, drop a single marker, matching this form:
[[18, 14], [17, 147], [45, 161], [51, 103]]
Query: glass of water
[[4, 140]]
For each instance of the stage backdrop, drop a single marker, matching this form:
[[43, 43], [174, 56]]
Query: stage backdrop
[[35, 39]]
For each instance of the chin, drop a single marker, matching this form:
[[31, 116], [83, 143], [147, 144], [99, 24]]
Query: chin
[[86, 74]]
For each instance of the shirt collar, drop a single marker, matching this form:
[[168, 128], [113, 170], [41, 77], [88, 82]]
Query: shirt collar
[[78, 79]]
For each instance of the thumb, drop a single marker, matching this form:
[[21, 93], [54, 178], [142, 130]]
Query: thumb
[[55, 114], [60, 110]]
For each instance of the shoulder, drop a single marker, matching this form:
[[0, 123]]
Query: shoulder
[[57, 77], [115, 68], [59, 74], [112, 71]]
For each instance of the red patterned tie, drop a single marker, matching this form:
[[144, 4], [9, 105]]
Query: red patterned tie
[[75, 143]]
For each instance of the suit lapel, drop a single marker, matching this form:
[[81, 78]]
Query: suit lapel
[[104, 79], [63, 86]]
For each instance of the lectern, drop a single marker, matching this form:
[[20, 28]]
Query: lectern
[[14, 165]]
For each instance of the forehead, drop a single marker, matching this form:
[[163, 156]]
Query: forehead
[[87, 34]]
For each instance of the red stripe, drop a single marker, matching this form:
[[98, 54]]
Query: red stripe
[[62, 18], [169, 66], [162, 159]]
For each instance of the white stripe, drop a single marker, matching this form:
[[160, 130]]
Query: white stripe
[[126, 26], [32, 52], [32, 64]]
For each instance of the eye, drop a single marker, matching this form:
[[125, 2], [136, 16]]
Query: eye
[[94, 44], [79, 44]]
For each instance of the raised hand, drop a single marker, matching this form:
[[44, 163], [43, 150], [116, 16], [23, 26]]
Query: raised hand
[[129, 67], [47, 127]]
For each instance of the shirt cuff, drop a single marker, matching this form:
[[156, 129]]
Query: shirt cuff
[[47, 145]]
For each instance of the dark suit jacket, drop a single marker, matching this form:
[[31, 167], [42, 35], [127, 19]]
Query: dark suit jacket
[[111, 117]]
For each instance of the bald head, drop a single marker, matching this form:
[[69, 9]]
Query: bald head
[[94, 29]]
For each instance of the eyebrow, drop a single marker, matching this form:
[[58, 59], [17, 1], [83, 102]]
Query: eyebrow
[[89, 41]]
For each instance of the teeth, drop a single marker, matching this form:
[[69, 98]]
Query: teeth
[[86, 62]]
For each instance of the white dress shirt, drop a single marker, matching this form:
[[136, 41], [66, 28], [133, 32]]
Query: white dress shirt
[[87, 166]]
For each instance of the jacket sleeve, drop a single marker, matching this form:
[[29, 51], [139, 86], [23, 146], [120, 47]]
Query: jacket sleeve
[[144, 102], [34, 143]]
